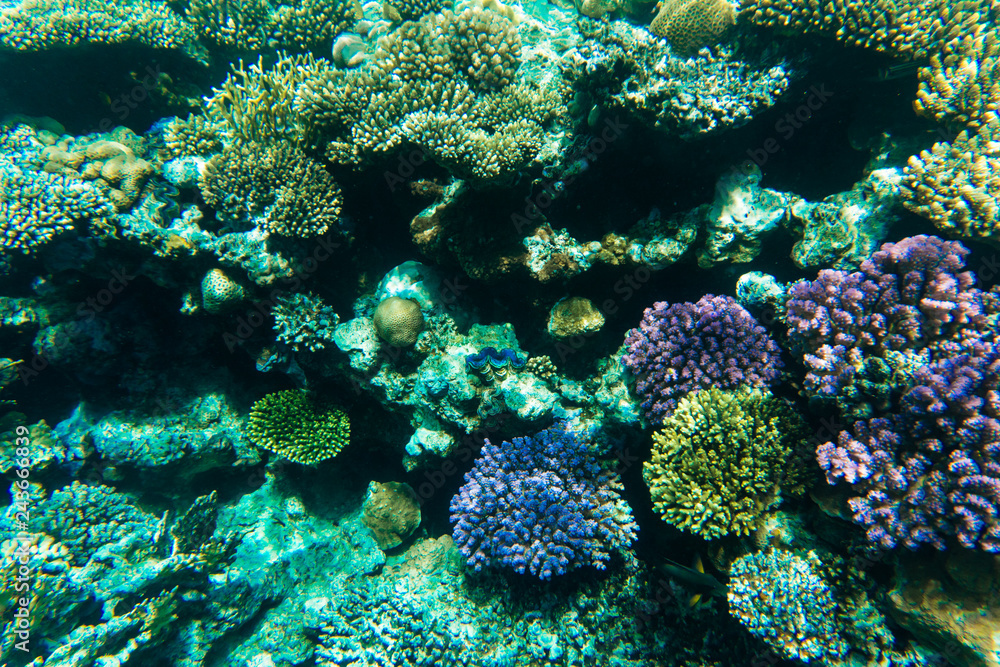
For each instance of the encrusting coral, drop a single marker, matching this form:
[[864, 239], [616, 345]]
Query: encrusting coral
[[725, 457]]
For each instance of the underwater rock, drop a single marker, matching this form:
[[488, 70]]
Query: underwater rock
[[391, 512]]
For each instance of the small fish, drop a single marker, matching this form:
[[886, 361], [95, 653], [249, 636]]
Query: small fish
[[694, 578], [893, 72]]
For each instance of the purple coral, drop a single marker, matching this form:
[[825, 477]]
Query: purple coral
[[540, 504], [691, 346], [907, 296], [931, 472]]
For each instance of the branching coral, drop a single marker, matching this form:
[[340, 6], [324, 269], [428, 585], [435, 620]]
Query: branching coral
[[276, 187], [931, 473], [257, 24], [304, 321], [782, 598], [298, 426], [690, 346], [723, 458], [541, 504], [908, 296]]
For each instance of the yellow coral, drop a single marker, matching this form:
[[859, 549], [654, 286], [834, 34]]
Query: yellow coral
[[690, 25]]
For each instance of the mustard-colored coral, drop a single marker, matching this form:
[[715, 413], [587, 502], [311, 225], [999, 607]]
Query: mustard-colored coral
[[36, 25], [277, 187], [431, 85], [956, 185], [961, 86], [690, 25], [258, 24], [723, 458], [907, 29]]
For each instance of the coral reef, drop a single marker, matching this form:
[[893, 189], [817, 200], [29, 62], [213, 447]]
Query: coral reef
[[689, 346], [297, 426], [690, 25], [542, 505], [724, 458]]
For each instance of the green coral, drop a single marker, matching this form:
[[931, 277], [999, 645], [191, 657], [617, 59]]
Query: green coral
[[723, 458], [298, 426], [446, 84]]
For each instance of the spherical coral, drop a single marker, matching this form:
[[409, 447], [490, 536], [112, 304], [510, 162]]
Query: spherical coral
[[219, 292], [298, 426], [391, 512], [398, 321], [541, 504], [689, 346], [574, 316], [783, 599], [723, 458], [690, 25]]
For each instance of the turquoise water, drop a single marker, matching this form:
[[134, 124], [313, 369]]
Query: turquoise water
[[499, 334]]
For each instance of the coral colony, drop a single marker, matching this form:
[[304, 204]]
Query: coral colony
[[447, 332]]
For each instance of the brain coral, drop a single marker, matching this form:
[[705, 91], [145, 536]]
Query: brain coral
[[298, 426], [690, 25], [398, 321], [219, 292], [723, 458]]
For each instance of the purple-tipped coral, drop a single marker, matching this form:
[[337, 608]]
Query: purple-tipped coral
[[932, 472], [909, 295], [540, 504], [690, 346]]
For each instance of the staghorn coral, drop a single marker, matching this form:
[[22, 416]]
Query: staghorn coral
[[690, 25], [37, 25], [690, 346], [542, 505], [257, 104], [437, 85], [906, 29], [298, 426], [723, 458], [276, 187], [959, 87], [782, 598]]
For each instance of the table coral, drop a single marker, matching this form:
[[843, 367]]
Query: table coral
[[433, 86], [689, 346], [724, 458], [542, 505], [36, 25], [298, 426]]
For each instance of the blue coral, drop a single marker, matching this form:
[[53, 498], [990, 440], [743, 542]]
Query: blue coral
[[541, 504]]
